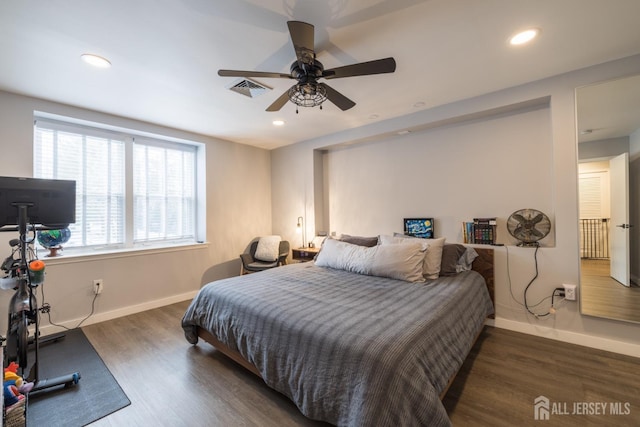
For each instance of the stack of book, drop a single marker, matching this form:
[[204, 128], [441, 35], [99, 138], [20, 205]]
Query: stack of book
[[481, 230]]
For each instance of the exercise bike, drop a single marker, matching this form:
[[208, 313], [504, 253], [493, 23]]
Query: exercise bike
[[25, 274]]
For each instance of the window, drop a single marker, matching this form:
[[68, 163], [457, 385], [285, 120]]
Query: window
[[131, 189], [163, 192]]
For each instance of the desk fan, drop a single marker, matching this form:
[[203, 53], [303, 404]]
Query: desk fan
[[528, 226]]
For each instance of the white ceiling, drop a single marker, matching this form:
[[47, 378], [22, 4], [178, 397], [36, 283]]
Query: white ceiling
[[166, 54], [609, 109]]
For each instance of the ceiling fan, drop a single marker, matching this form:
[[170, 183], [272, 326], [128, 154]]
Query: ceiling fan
[[308, 92]]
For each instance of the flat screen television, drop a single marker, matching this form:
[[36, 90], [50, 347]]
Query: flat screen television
[[50, 203]]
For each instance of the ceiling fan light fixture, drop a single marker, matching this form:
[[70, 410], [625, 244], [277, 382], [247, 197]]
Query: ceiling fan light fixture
[[95, 60], [524, 37], [307, 94]]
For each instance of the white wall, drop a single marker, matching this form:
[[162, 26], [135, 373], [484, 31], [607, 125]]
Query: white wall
[[603, 148], [452, 174], [238, 179], [535, 165]]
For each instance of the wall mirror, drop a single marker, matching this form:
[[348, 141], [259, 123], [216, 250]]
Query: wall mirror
[[608, 125]]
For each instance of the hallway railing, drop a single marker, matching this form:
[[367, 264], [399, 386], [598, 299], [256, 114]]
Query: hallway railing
[[594, 238]]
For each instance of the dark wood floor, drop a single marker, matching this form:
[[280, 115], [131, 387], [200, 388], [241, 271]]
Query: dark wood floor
[[603, 296], [171, 383]]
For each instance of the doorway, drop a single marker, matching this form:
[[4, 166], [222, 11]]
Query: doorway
[[604, 216], [602, 295]]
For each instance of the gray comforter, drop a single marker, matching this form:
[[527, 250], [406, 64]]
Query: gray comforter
[[349, 349]]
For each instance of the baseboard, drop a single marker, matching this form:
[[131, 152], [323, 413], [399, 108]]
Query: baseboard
[[567, 336], [540, 331], [120, 312]]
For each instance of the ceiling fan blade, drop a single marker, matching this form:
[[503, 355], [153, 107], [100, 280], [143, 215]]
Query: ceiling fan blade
[[302, 38], [378, 66], [240, 73], [341, 101], [279, 103]]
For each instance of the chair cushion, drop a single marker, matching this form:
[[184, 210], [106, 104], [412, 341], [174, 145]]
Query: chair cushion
[[257, 265], [268, 248]]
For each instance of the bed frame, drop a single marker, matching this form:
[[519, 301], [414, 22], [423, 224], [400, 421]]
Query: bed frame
[[483, 264]]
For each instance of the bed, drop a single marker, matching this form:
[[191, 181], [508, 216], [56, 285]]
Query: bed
[[348, 348]]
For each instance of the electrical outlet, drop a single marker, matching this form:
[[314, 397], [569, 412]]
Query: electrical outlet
[[569, 292], [98, 284]]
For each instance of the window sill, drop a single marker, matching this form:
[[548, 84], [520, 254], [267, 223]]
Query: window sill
[[74, 256]]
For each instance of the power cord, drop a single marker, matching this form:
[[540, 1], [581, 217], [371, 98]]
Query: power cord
[[511, 287], [528, 307], [535, 257], [46, 308], [559, 292]]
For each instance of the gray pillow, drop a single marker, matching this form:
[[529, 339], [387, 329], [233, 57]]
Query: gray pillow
[[369, 242], [456, 258], [451, 253]]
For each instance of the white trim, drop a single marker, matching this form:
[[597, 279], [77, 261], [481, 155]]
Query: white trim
[[129, 138], [63, 122], [81, 256], [120, 312], [600, 343]]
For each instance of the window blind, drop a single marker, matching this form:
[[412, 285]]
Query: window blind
[[164, 191], [161, 177], [96, 161]]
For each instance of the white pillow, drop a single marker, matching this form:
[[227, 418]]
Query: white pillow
[[432, 257], [402, 262], [268, 248]]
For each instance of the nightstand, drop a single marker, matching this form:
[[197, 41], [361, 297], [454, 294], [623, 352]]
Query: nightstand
[[304, 254]]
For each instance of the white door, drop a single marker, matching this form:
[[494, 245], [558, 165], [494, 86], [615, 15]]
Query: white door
[[619, 181]]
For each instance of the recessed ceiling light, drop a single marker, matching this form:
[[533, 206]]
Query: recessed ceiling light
[[403, 132], [95, 60], [373, 116], [278, 122], [524, 36], [419, 104]]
